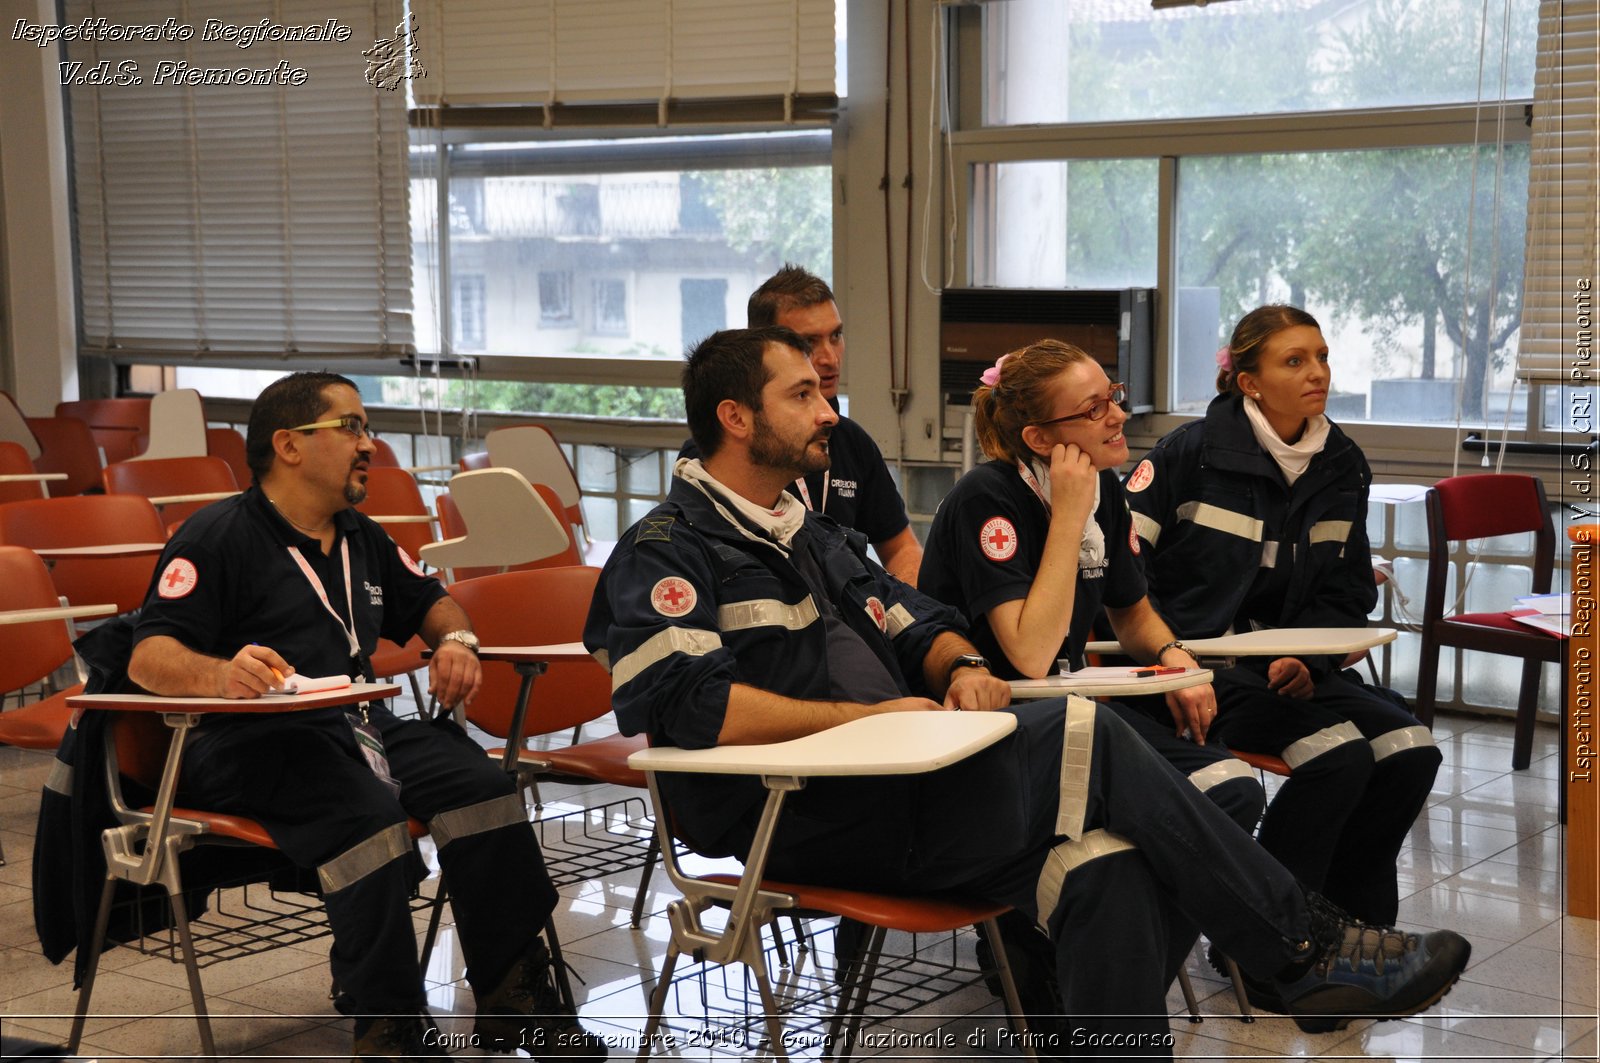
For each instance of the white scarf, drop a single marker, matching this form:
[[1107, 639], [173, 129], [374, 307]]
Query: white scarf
[[1292, 458], [781, 523], [1092, 550]]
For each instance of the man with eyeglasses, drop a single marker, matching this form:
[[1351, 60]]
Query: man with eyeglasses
[[289, 579]]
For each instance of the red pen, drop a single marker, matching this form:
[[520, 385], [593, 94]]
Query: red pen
[[1148, 673]]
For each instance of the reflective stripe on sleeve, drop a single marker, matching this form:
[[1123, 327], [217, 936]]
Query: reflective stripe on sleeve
[[1066, 857], [1401, 739], [767, 612], [1149, 528], [1224, 520], [484, 816], [604, 657], [696, 642], [898, 619], [363, 858], [1330, 531], [1269, 554], [1077, 750], [1220, 772], [1314, 745], [59, 780]]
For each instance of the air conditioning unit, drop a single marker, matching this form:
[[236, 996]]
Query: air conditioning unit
[[1115, 326]]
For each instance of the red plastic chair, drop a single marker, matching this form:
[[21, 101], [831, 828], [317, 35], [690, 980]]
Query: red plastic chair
[[393, 492], [34, 651], [1478, 507], [383, 455], [67, 445], [117, 424], [90, 520], [228, 444], [14, 461], [537, 608], [474, 461], [170, 477]]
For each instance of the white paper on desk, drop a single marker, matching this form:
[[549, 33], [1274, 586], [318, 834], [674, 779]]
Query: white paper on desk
[[1112, 674], [307, 684], [1558, 624], [1548, 604], [1395, 494]]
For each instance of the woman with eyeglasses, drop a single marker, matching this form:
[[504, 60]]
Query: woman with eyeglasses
[[1032, 543], [1255, 516]]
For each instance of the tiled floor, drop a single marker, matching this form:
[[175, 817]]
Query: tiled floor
[[1485, 860]]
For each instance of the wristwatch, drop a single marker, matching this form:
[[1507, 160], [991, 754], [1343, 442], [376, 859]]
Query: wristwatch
[[966, 660], [465, 637]]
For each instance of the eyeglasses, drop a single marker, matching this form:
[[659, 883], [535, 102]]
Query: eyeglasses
[[1119, 392], [349, 423]]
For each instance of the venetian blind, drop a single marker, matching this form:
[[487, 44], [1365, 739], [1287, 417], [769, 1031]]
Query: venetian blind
[[1563, 190], [230, 218], [519, 52]]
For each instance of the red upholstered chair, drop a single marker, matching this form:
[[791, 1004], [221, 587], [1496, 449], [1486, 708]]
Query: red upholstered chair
[[90, 520], [1478, 507], [67, 445]]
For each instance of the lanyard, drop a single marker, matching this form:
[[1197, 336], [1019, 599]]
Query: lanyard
[[322, 593], [805, 493], [1033, 481]]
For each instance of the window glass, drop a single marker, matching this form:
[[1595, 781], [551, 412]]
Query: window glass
[[1420, 323], [1120, 60], [1081, 224]]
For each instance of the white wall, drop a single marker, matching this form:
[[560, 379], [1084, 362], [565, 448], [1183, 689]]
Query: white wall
[[41, 335]]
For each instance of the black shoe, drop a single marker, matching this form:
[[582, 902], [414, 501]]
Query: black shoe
[[526, 1011], [401, 1038], [1352, 971]]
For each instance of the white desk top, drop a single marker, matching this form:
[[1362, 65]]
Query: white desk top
[[201, 496], [1056, 686], [560, 651], [1279, 642], [56, 553], [58, 612], [402, 518], [891, 743], [31, 477], [269, 703]]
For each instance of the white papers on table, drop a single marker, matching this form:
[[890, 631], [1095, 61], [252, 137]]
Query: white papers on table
[[308, 684]]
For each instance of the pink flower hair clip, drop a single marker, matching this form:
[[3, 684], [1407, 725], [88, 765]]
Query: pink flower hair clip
[[991, 375], [1224, 357]]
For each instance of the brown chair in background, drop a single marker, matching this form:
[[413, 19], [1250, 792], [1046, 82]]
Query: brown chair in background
[[67, 446], [126, 522], [14, 462], [180, 487], [117, 424], [228, 444]]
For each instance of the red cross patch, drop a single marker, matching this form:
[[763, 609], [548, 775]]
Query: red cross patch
[[1133, 541], [1141, 477], [672, 596], [415, 568], [879, 614], [178, 579], [998, 539]]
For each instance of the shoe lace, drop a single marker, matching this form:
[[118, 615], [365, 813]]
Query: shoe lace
[[1338, 935]]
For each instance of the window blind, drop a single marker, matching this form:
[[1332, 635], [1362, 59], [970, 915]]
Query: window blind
[[516, 52], [1563, 190], [236, 219]]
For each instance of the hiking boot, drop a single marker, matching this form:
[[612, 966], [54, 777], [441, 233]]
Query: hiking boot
[[401, 1038], [1352, 970], [526, 1011]]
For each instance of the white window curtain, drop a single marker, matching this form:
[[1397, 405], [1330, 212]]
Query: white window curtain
[[240, 219], [1563, 193], [525, 52]]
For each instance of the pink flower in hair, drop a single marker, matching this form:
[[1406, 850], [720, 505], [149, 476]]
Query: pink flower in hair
[[991, 375], [1224, 357]]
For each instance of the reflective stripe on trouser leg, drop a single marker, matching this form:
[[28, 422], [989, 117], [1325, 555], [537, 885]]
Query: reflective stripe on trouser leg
[[1400, 740], [60, 778], [1066, 856], [484, 816], [1219, 772], [1077, 750], [363, 858], [1317, 743]]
